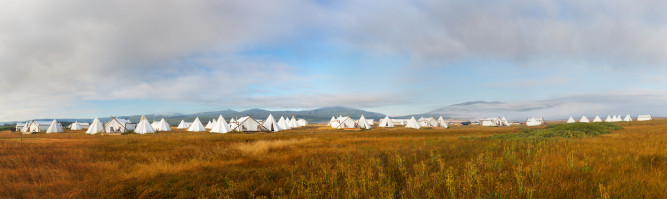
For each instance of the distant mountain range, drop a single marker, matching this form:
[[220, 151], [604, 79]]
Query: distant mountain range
[[313, 116], [472, 110]]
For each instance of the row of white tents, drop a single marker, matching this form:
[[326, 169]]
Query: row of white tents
[[117, 125], [363, 123], [244, 124], [615, 118]]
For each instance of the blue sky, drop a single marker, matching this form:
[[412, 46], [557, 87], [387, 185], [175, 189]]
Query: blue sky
[[84, 59]]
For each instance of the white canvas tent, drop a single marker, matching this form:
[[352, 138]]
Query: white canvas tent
[[627, 118], [504, 122], [154, 124], [644, 118], [95, 127], [196, 126], [249, 124], [363, 123], [75, 126], [293, 123], [118, 126], [493, 121], [535, 121], [619, 119], [597, 119], [36, 126], [163, 126], [412, 123], [386, 123], [430, 122], [303, 122], [183, 125], [22, 127], [347, 123], [333, 119], [614, 118], [55, 127], [608, 119], [209, 125], [271, 124], [442, 122], [282, 123], [584, 119], [144, 126], [220, 126], [571, 120]]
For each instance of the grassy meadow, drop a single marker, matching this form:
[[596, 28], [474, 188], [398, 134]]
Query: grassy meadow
[[319, 162]]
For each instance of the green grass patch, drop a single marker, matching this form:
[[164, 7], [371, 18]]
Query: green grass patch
[[573, 130]]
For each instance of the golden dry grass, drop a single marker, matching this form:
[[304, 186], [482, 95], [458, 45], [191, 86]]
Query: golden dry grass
[[320, 162]]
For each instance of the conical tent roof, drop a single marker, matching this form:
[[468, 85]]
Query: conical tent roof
[[363, 123], [209, 125], [386, 122], [292, 123], [232, 121], [220, 126], [597, 119], [54, 127], [442, 122], [584, 119], [627, 118], [608, 119], [76, 126], [163, 126], [412, 123], [571, 120], [196, 126], [25, 127], [333, 119], [618, 118], [182, 125], [271, 124], [144, 127], [282, 123], [95, 127], [213, 123]]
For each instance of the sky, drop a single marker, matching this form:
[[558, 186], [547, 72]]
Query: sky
[[83, 59]]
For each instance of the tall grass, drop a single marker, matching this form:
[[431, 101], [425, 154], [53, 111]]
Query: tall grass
[[324, 163]]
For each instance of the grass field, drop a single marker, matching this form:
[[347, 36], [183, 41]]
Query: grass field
[[318, 162]]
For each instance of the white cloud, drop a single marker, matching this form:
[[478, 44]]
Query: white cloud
[[56, 54]]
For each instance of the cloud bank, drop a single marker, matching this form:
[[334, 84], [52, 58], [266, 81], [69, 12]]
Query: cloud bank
[[561, 108], [55, 56]]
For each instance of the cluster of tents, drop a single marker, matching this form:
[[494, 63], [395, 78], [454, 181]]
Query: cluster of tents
[[363, 123], [244, 124], [615, 118], [116, 125], [41, 126]]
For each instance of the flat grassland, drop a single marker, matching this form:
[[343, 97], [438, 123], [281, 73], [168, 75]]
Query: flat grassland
[[319, 162]]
